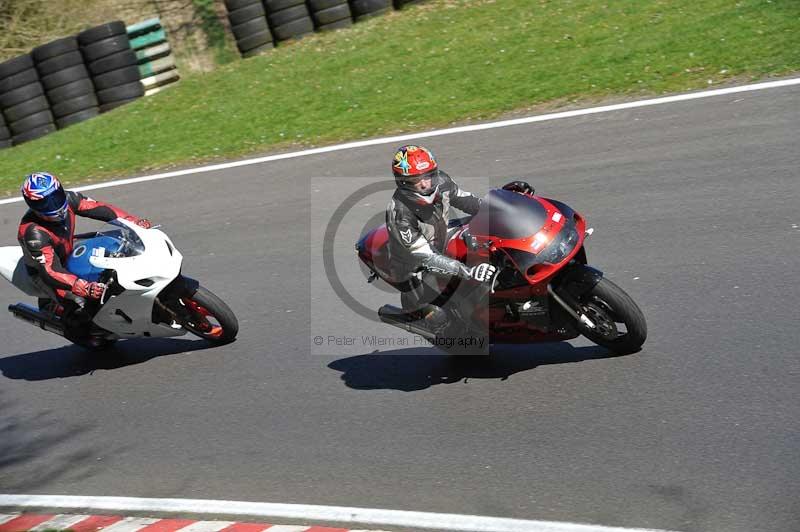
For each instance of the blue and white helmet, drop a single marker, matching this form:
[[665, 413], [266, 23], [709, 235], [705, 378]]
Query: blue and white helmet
[[45, 196]]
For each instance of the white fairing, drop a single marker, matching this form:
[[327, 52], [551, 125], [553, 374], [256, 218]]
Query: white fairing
[[161, 264], [12, 267]]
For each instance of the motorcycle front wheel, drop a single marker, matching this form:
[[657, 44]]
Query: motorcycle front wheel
[[619, 323], [209, 317]]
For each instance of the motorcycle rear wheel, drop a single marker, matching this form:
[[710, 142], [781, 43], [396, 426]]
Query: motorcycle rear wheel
[[610, 309], [209, 317]]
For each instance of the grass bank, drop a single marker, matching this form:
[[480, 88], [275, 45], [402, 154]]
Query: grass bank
[[431, 65]]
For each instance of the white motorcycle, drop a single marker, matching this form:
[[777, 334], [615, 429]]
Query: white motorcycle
[[146, 295]]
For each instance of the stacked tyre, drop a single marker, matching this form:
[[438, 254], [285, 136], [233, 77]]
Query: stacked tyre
[[22, 101], [330, 14], [66, 82], [5, 134], [363, 9], [398, 4], [113, 64], [288, 19], [249, 25]]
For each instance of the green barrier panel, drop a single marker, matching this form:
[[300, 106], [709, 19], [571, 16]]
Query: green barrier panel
[[146, 26], [148, 39], [154, 67], [154, 52]]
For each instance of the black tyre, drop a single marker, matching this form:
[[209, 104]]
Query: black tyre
[[62, 77], [115, 61], [15, 66], [123, 92], [258, 50], [75, 105], [115, 78], [280, 18], [54, 49], [233, 5], [319, 5], [26, 108], [59, 62], [20, 79], [246, 13], [369, 8], [5, 133], [22, 94], [34, 134], [332, 14], [399, 4], [6, 143], [249, 28], [339, 24], [36, 120], [619, 323], [106, 107], [258, 40], [103, 31], [75, 118], [294, 29], [70, 91], [274, 6], [106, 47], [210, 318]]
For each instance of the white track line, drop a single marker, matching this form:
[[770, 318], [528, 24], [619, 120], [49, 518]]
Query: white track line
[[437, 133], [307, 512]]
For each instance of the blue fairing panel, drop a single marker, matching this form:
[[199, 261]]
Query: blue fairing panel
[[78, 261]]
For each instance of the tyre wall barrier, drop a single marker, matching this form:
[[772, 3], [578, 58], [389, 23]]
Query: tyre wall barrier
[[257, 25], [157, 67], [112, 63], [248, 20], [68, 88], [75, 78], [24, 107]]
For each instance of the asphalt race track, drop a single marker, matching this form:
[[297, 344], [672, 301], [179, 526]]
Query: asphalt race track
[[696, 210]]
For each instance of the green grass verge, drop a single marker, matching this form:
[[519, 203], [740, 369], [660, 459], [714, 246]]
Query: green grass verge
[[431, 65]]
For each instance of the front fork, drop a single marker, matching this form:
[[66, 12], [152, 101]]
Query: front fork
[[570, 285]]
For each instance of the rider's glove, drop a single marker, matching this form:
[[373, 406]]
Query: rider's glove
[[88, 289], [483, 273], [519, 186], [141, 222]]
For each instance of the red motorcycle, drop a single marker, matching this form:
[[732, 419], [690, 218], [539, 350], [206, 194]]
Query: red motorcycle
[[544, 290]]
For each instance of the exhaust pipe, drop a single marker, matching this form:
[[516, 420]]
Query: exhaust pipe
[[395, 316], [36, 317]]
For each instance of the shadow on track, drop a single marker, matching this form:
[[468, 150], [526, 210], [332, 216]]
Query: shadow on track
[[38, 447], [416, 369], [73, 361]]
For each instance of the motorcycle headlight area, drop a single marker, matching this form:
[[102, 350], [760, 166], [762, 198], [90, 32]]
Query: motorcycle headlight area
[[556, 251], [562, 245]]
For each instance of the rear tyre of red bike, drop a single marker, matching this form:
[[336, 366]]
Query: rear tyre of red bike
[[209, 317]]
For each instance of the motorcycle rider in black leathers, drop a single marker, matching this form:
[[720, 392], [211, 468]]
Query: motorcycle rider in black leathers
[[416, 219]]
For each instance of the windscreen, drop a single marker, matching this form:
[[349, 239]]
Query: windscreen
[[507, 214], [130, 244]]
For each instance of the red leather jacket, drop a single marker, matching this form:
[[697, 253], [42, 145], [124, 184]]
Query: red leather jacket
[[46, 245]]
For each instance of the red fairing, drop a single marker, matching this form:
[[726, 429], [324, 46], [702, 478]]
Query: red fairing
[[374, 251]]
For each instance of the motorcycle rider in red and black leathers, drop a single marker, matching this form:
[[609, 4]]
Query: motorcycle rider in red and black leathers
[[46, 235]]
